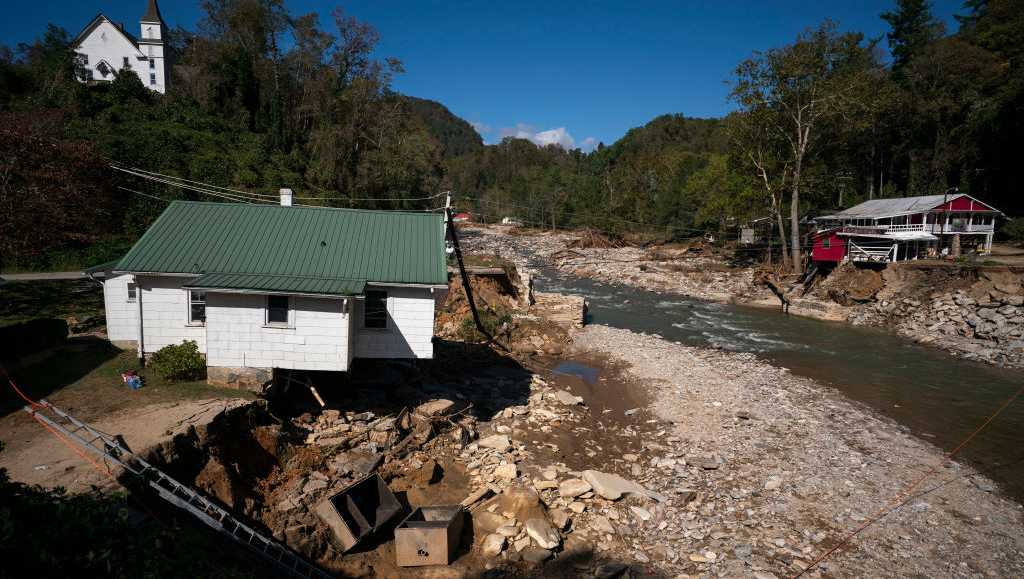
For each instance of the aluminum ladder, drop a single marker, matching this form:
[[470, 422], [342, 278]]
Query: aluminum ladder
[[110, 448]]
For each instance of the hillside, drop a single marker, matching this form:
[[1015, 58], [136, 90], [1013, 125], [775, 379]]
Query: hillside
[[456, 136]]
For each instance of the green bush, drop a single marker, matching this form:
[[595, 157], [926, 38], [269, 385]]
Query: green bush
[[179, 362]]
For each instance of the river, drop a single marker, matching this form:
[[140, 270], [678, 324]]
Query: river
[[937, 396]]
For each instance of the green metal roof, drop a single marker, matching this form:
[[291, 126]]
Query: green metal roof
[[278, 283], [305, 244]]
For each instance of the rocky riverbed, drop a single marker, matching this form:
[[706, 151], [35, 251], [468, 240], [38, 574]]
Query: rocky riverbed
[[762, 471]]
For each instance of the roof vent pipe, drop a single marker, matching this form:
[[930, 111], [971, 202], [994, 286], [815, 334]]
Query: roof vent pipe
[[286, 197]]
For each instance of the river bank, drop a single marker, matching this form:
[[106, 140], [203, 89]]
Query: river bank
[[969, 314], [782, 468]]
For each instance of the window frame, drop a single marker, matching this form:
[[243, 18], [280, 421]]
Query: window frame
[[189, 301], [386, 299], [826, 243], [152, 79], [129, 287], [289, 319]]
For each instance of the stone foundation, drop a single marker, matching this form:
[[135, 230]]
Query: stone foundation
[[252, 379]]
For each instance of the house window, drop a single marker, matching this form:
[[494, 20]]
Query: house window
[[84, 58], [152, 78], [375, 310], [152, 64], [196, 307], [826, 243], [277, 310], [133, 291], [126, 63]]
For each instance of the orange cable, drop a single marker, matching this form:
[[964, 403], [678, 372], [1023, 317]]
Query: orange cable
[[68, 443], [902, 497]]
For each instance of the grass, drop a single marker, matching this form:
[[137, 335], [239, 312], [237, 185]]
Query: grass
[[86, 375], [21, 301]]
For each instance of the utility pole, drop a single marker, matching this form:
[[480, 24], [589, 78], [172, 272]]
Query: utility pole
[[945, 215], [465, 277]]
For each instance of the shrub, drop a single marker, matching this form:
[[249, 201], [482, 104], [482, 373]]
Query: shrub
[[179, 362]]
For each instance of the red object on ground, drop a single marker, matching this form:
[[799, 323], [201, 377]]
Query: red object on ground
[[828, 246]]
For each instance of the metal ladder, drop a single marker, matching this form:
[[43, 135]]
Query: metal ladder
[[109, 448]]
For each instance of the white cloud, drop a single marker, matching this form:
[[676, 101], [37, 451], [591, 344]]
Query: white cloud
[[588, 144], [481, 127], [557, 136]]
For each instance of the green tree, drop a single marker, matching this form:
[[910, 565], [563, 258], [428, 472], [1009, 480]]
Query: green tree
[[912, 28], [796, 90]]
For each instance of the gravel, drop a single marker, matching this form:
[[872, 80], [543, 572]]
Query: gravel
[[798, 467]]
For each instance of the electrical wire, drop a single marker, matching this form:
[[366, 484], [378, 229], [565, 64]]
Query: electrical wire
[[144, 194], [229, 197], [206, 185], [218, 190]]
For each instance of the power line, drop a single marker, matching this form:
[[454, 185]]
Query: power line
[[202, 187], [145, 194], [235, 198], [205, 185]]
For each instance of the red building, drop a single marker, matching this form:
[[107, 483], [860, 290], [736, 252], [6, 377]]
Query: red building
[[884, 230]]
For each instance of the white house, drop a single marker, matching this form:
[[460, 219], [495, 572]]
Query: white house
[[104, 49], [264, 287]]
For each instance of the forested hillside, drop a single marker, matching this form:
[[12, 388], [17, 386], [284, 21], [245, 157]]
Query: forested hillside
[[264, 98]]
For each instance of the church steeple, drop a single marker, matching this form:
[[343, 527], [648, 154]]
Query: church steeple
[[152, 15], [156, 74]]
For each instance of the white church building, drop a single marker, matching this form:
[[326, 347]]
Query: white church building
[[105, 49]]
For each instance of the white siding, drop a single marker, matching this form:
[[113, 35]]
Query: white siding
[[410, 326], [165, 314], [122, 315], [108, 44], [237, 335]]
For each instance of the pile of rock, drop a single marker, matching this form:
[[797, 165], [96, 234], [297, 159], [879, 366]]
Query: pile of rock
[[987, 326]]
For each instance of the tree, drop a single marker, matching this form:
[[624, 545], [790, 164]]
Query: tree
[[53, 192], [913, 27], [792, 91], [754, 141]]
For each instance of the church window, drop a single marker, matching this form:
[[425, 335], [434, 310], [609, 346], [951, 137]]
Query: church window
[[152, 78], [152, 64], [126, 63]]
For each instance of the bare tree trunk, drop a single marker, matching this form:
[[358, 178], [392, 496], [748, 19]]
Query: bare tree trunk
[[794, 221], [782, 234]]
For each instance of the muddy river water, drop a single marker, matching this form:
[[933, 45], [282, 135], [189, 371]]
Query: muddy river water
[[937, 396]]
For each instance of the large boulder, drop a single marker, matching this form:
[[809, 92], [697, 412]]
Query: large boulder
[[613, 487]]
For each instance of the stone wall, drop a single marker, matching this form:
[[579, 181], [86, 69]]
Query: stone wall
[[252, 379]]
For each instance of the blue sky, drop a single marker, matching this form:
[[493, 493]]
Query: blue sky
[[573, 72]]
